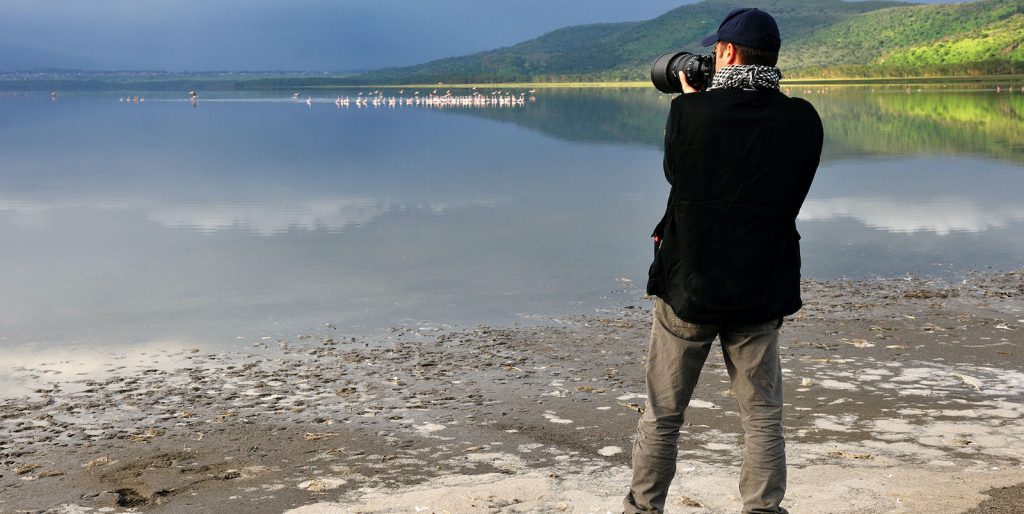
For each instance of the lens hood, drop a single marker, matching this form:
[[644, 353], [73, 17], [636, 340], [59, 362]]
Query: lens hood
[[662, 76]]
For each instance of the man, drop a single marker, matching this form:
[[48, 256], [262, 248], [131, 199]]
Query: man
[[740, 158]]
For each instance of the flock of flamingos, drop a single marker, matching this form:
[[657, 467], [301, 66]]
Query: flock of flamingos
[[500, 99], [474, 99], [379, 98]]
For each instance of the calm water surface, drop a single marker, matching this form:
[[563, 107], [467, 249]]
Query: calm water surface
[[256, 216]]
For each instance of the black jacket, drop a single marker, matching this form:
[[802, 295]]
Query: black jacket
[[740, 164]]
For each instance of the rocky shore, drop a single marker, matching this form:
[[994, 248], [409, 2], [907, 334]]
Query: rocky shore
[[903, 395]]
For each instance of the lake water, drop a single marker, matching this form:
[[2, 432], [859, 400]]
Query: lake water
[[256, 216]]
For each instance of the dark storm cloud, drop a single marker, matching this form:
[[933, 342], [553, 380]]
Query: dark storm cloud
[[334, 35]]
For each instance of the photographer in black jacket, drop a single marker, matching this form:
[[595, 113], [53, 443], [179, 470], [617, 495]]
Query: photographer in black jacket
[[740, 158]]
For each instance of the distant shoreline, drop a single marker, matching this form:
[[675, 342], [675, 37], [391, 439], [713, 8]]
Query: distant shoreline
[[990, 79], [219, 82]]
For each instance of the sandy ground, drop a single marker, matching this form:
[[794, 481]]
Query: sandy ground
[[902, 395]]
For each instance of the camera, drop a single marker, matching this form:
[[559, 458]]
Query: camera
[[698, 70]]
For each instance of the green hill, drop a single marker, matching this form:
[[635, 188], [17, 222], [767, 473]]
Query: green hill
[[820, 37]]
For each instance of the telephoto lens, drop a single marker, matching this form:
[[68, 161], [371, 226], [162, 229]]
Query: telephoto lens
[[698, 69]]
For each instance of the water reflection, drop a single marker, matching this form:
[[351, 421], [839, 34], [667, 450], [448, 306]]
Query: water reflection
[[331, 214], [921, 194], [267, 219], [858, 121], [327, 214], [942, 215], [933, 122], [259, 217]]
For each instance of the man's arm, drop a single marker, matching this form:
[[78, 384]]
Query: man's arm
[[671, 129]]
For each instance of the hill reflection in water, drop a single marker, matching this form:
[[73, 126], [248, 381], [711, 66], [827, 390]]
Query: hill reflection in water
[[858, 121]]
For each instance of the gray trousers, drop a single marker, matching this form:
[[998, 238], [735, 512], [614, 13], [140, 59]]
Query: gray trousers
[[677, 354]]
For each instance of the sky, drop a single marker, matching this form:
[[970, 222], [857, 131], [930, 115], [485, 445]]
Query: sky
[[283, 35]]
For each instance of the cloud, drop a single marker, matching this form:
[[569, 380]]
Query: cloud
[[311, 35]]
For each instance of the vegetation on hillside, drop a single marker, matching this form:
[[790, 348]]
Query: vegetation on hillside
[[865, 39], [999, 41]]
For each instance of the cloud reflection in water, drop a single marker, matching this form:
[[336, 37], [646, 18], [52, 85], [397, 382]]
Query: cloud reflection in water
[[941, 215], [266, 218]]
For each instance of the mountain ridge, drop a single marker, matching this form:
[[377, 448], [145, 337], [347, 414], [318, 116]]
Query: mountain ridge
[[13, 58]]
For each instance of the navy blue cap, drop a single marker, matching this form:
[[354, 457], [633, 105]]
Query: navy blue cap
[[748, 27]]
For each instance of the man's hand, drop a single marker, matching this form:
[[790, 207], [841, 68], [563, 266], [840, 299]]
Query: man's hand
[[687, 88]]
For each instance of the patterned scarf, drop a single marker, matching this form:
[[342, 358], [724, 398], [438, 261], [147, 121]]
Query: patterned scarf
[[746, 76]]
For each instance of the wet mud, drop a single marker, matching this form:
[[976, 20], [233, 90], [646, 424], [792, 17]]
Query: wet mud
[[892, 387]]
